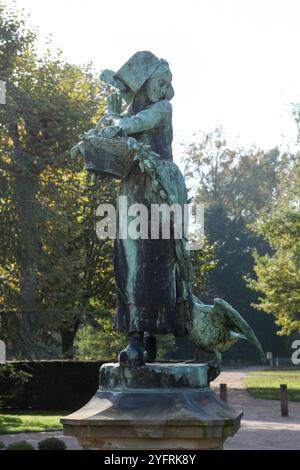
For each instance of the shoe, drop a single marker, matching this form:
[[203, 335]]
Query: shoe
[[132, 355]]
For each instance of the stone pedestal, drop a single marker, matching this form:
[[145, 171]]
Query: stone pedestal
[[156, 406]]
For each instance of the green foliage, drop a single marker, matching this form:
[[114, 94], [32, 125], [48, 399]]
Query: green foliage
[[12, 381], [55, 273], [99, 341], [52, 443], [22, 445], [234, 185], [2, 445], [9, 373], [208, 167], [166, 347], [242, 181], [203, 262], [278, 273], [93, 343]]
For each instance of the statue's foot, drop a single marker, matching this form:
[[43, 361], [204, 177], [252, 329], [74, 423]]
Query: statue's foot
[[214, 369], [150, 347], [215, 363], [132, 355]]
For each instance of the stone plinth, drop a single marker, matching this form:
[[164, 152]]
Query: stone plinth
[[156, 406]]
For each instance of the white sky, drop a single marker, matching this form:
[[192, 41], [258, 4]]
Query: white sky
[[234, 62]]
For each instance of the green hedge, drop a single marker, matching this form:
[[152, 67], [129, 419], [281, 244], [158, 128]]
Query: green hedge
[[49, 385]]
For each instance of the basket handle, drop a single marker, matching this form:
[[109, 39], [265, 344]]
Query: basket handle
[[106, 116]]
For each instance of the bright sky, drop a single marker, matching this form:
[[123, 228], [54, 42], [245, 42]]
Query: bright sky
[[234, 62]]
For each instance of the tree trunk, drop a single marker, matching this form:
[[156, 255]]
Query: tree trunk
[[67, 340], [26, 189]]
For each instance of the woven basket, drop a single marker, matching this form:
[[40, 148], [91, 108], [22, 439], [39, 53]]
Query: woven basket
[[108, 156]]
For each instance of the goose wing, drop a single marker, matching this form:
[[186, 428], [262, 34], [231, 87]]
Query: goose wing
[[235, 322]]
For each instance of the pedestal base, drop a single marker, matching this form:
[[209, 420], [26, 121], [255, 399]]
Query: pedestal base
[[177, 410]]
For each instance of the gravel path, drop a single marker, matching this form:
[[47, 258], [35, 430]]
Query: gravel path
[[35, 437], [262, 425]]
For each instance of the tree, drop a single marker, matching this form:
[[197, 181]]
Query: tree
[[242, 181], [278, 273], [234, 185], [208, 167], [50, 257], [15, 41]]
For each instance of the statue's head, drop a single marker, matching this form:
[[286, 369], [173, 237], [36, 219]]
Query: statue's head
[[158, 86], [146, 71]]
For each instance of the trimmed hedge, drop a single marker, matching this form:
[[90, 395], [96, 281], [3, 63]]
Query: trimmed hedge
[[51, 385], [52, 443], [22, 445]]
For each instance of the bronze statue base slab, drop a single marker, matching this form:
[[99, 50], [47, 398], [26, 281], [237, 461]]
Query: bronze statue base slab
[[175, 410]]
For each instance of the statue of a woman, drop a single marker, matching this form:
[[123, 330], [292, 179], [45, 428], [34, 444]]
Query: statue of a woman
[[152, 275]]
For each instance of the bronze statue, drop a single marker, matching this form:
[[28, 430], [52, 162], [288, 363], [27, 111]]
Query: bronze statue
[[152, 291]]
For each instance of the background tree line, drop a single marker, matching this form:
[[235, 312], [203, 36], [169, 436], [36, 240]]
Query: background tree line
[[56, 278], [252, 217]]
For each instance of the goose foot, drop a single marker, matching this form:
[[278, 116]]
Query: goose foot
[[214, 369]]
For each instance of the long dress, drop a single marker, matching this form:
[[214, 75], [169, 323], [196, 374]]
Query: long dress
[[152, 289]]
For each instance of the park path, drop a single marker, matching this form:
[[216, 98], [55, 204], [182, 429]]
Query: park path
[[262, 427], [35, 437]]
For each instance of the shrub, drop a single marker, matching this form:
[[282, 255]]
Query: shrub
[[51, 385], [11, 381], [22, 445], [2, 445], [52, 443]]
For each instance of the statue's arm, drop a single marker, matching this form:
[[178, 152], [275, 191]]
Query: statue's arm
[[147, 119], [108, 76]]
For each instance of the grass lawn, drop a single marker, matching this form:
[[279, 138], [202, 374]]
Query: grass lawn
[[266, 384], [30, 421]]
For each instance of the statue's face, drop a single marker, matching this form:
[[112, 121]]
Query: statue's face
[[157, 84]]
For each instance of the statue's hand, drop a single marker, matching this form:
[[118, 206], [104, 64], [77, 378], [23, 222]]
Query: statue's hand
[[90, 133], [76, 151], [114, 103], [111, 132]]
